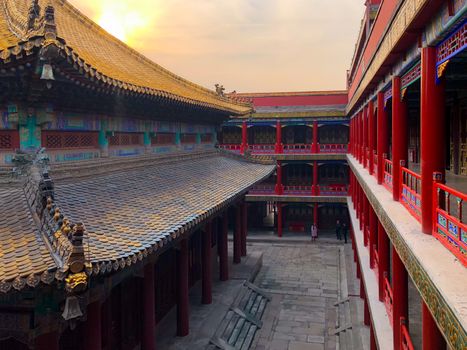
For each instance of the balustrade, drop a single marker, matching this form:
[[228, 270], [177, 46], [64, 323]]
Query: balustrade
[[388, 298], [333, 190], [388, 174], [449, 227], [411, 192], [406, 341], [333, 147], [297, 148], [231, 147], [262, 148], [300, 190]]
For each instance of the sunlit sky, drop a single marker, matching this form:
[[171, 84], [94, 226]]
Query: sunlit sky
[[246, 45]]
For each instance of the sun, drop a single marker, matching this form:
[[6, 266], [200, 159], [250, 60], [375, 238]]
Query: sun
[[123, 20]]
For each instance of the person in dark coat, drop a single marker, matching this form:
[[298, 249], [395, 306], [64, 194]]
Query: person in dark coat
[[338, 230], [345, 231]]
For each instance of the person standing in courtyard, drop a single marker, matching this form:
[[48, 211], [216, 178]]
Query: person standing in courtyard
[[314, 232], [345, 231], [338, 230]]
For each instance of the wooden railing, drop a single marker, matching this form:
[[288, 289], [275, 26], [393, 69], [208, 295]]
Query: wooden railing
[[262, 189], [231, 147], [333, 190], [297, 148], [375, 260], [411, 184], [388, 298], [300, 190], [388, 174], [406, 341], [449, 227], [262, 148], [333, 147]]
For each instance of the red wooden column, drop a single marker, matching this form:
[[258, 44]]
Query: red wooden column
[[279, 187], [244, 145], [360, 132], [432, 338], [279, 219], [432, 133], [149, 309], [373, 235], [315, 146], [372, 338], [399, 136], [365, 136], [315, 187], [371, 136], [382, 136], [400, 295], [183, 317], [237, 239], [92, 327], [223, 249], [315, 214], [48, 341], [279, 148], [383, 253], [366, 219], [206, 266], [244, 227]]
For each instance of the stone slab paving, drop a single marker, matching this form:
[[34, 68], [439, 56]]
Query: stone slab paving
[[302, 280]]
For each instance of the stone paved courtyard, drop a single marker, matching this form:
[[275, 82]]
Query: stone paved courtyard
[[302, 280]]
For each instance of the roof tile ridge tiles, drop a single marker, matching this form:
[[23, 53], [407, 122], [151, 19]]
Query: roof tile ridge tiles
[[124, 164], [248, 157], [158, 68], [63, 239]]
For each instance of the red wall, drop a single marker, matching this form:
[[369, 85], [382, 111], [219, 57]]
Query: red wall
[[301, 100]]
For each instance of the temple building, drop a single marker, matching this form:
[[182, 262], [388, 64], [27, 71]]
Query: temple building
[[120, 181], [120, 199], [307, 134]]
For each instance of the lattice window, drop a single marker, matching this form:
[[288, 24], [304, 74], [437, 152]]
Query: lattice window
[[188, 138], [125, 139], [206, 138], [452, 45], [9, 139], [163, 139], [68, 139]]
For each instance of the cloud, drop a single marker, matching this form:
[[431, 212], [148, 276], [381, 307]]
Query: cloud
[[247, 45]]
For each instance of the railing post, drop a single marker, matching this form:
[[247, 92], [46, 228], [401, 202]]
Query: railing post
[[401, 177], [437, 178]]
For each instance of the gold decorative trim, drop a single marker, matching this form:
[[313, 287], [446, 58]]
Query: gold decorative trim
[[441, 69], [449, 324]]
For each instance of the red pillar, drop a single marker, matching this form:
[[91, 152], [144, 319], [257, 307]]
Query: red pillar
[[383, 253], [372, 338], [244, 227], [382, 137], [279, 219], [279, 146], [365, 136], [92, 327], [399, 136], [49, 341], [149, 309], [373, 235], [244, 145], [432, 132], [366, 219], [366, 310], [360, 135], [183, 325], [400, 295], [371, 136], [432, 338], [206, 282], [315, 189], [237, 241], [315, 214], [315, 146], [223, 249], [279, 187]]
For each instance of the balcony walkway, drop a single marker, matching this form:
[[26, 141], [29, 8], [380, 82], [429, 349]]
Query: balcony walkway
[[442, 282]]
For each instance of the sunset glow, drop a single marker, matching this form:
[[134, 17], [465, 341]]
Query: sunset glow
[[246, 45]]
